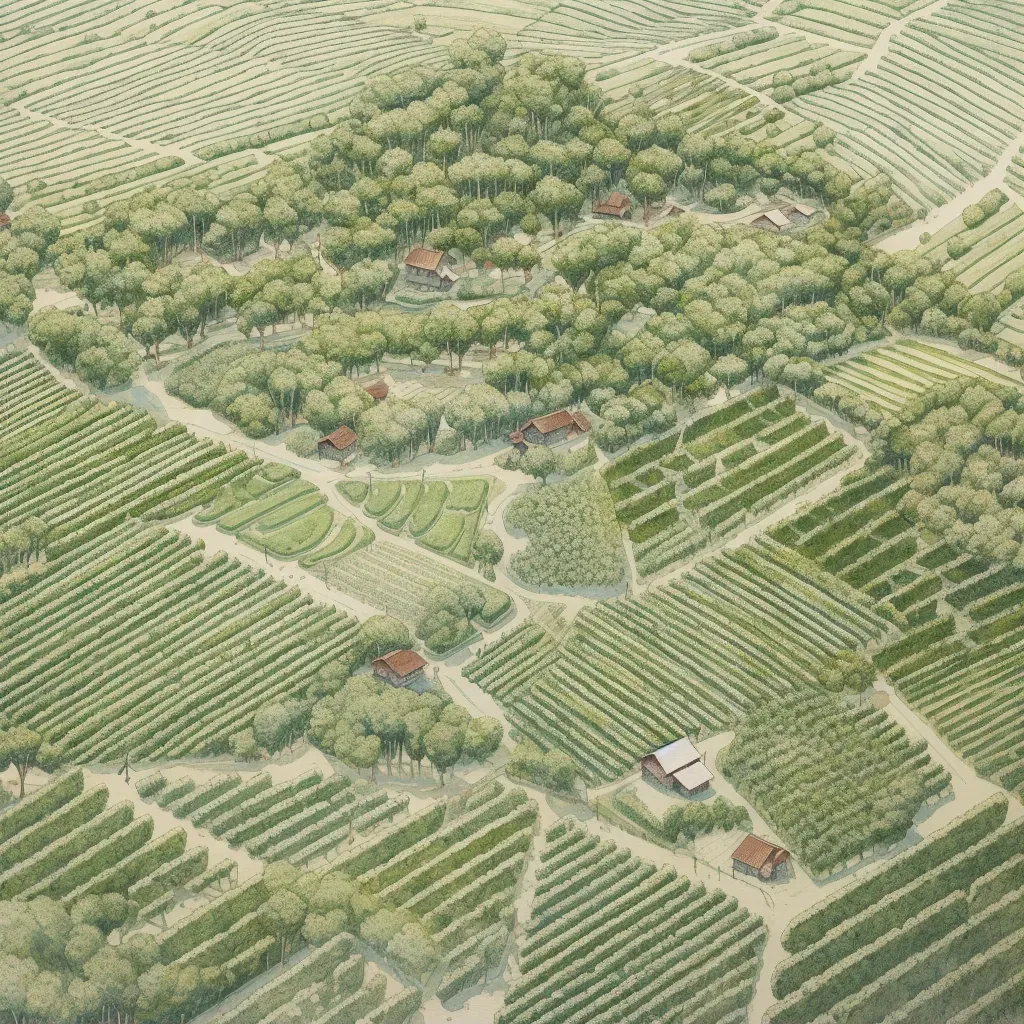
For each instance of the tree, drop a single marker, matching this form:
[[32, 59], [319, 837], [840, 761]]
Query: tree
[[488, 548], [444, 744], [539, 462], [557, 199], [6, 195], [378, 635], [483, 737], [19, 746]]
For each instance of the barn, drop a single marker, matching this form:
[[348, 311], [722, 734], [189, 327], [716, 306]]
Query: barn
[[771, 220], [339, 446], [431, 268], [399, 668], [616, 205], [677, 766], [758, 857], [555, 428]]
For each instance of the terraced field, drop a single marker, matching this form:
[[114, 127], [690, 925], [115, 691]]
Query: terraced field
[[632, 674], [889, 375], [943, 103], [184, 652], [848, 21], [613, 939]]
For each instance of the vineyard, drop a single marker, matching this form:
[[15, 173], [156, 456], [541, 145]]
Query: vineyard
[[397, 581], [679, 492], [836, 783], [611, 938], [935, 934], [444, 518], [634, 674], [964, 681], [83, 466], [302, 821], [942, 104], [889, 375], [134, 638]]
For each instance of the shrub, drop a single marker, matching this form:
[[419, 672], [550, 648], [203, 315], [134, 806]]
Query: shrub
[[302, 442]]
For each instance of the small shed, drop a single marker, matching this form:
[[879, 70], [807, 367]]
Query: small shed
[[771, 220], [339, 446], [555, 428], [616, 205], [399, 668], [799, 214], [677, 766], [5, 222], [430, 267], [758, 857], [378, 390]]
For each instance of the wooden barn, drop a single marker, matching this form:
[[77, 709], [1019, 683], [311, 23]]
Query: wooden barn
[[771, 220], [677, 766], [758, 857], [430, 267], [555, 428], [399, 668], [616, 205], [339, 446]]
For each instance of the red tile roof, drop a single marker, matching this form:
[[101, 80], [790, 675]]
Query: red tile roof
[[557, 420], [755, 853], [378, 390], [424, 259], [402, 663], [342, 438]]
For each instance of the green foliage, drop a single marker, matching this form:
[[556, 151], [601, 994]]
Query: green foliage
[[551, 769]]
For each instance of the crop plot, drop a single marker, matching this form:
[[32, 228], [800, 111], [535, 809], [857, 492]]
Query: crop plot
[[302, 820], [889, 375], [940, 108], [154, 670], [398, 581], [853, 23], [934, 934], [633, 674], [677, 493], [611, 938], [83, 466], [443, 517], [865, 780]]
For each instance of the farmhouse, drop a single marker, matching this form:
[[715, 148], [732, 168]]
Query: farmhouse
[[338, 446], [799, 214], [430, 267], [378, 390], [399, 668], [555, 428], [616, 205], [771, 220], [759, 857], [677, 766]]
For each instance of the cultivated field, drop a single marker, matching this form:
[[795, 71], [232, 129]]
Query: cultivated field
[[889, 375], [633, 674]]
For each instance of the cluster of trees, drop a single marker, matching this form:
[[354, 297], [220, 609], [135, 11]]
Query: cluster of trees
[[847, 672], [552, 769], [367, 719], [682, 822], [541, 462], [574, 539], [787, 85], [963, 445], [99, 353], [20, 544], [448, 610], [24, 251]]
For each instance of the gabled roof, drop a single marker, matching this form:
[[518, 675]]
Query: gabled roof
[[755, 853], [806, 211], [342, 438], [693, 775], [777, 217], [378, 390], [556, 421], [676, 755], [402, 663], [617, 200], [424, 259]]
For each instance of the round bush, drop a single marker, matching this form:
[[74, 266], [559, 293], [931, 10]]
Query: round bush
[[302, 441]]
